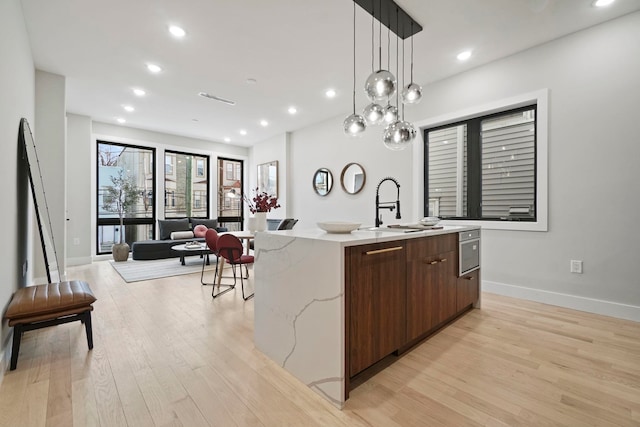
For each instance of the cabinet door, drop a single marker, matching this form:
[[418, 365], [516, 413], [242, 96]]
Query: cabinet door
[[431, 284], [467, 290], [377, 302]]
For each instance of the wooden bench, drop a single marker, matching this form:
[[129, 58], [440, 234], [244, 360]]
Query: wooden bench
[[40, 306]]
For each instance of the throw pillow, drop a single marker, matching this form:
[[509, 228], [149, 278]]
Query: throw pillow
[[177, 235], [209, 223], [200, 230], [168, 226]]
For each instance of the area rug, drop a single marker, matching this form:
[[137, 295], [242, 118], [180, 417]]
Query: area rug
[[135, 271]]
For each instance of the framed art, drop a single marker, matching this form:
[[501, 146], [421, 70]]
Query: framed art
[[268, 178]]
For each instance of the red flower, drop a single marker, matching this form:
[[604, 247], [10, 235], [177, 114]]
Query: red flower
[[261, 202]]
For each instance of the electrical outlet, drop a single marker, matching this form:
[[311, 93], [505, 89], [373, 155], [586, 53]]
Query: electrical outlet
[[576, 266], [76, 240]]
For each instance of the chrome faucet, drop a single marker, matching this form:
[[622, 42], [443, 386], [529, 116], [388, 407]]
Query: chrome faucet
[[387, 205]]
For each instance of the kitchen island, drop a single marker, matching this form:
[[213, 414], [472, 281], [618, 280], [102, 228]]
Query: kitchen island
[[330, 306]]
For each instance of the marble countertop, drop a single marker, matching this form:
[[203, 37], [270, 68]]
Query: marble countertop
[[363, 237]]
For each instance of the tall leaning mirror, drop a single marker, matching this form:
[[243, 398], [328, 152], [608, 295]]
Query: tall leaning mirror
[[322, 181], [45, 229], [353, 178]]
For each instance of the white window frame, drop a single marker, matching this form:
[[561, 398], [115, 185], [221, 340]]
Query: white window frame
[[541, 99]]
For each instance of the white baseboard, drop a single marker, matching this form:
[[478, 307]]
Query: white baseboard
[[607, 308], [78, 261]]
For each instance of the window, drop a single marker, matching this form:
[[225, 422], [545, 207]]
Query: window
[[136, 164], [483, 168], [169, 161], [186, 188], [169, 198], [200, 169], [230, 184], [199, 199]]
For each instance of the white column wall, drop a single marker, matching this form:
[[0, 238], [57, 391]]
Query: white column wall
[[79, 163], [276, 148], [50, 137]]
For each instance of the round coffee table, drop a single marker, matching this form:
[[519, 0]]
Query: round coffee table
[[185, 250]]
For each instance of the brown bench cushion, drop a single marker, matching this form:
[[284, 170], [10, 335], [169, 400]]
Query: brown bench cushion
[[43, 302]]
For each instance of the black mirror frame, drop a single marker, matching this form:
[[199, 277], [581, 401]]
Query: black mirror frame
[[30, 157], [329, 181]]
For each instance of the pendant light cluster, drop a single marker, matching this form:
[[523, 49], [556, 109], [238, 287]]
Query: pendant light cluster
[[354, 125], [381, 86]]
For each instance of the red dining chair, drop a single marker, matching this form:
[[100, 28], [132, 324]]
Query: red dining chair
[[211, 238], [230, 248]]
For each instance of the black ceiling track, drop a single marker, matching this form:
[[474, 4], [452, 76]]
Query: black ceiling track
[[392, 16]]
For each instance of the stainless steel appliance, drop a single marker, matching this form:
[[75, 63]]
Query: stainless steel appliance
[[469, 251]]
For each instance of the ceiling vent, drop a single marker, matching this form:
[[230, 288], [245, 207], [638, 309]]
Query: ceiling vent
[[217, 98]]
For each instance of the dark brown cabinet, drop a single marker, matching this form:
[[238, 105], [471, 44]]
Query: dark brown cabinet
[[468, 290], [431, 283], [398, 292], [376, 302]]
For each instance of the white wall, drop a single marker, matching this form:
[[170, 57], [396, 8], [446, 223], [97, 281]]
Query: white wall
[[17, 87], [594, 98], [276, 148], [325, 145]]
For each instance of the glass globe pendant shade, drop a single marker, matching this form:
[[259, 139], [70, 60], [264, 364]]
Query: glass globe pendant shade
[[398, 135], [380, 85], [390, 114], [373, 114], [412, 94], [354, 125]]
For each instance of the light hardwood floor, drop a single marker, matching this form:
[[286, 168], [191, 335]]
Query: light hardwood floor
[[166, 354]]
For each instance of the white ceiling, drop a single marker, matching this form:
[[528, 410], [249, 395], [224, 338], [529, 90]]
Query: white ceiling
[[294, 49]]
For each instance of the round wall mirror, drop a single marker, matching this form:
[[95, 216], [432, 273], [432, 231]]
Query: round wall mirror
[[353, 178], [322, 181]]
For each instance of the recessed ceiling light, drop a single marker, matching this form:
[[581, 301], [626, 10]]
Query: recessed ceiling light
[[120, 120], [154, 68], [292, 110], [602, 3], [264, 123], [139, 92], [128, 108], [330, 93], [227, 139], [177, 31], [463, 56], [243, 132]]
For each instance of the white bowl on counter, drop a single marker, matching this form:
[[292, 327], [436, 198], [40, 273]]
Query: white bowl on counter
[[429, 220], [338, 227]]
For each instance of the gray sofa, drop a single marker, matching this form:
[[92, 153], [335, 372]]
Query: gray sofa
[[161, 248]]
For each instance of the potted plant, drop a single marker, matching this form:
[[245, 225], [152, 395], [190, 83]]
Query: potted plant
[[259, 205], [119, 197]]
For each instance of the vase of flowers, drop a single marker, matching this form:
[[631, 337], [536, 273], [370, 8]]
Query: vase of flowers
[[259, 205], [261, 221]]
